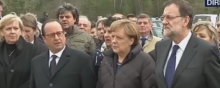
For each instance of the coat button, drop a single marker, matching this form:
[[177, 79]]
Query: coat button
[[51, 84], [12, 70]]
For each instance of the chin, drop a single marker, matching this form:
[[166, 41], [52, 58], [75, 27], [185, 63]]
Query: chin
[[115, 51]]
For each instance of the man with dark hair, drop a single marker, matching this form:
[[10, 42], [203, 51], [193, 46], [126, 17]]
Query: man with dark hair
[[183, 60], [60, 66], [69, 17], [132, 17]]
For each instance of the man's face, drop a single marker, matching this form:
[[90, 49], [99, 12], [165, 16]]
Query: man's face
[[145, 25], [29, 33], [54, 36], [84, 25], [100, 31], [67, 19], [172, 21]]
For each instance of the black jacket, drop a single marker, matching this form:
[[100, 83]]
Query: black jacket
[[136, 71], [16, 74]]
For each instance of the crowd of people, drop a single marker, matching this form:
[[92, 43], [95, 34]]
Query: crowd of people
[[116, 51]]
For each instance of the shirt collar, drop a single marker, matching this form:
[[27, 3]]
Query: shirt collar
[[57, 54], [184, 42], [32, 42], [145, 37]]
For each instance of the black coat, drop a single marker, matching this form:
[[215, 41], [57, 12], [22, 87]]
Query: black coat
[[74, 70], [136, 71], [40, 45], [17, 73]]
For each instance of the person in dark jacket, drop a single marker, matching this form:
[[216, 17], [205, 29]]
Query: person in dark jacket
[[30, 29], [125, 65], [15, 54]]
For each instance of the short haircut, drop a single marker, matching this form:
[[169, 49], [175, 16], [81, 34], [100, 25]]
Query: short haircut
[[9, 19], [211, 30], [29, 20], [93, 25], [68, 7], [131, 16], [130, 28], [143, 15], [110, 20], [85, 17], [185, 9], [49, 21]]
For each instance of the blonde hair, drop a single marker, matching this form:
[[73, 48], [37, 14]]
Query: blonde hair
[[8, 19], [212, 31], [131, 29]]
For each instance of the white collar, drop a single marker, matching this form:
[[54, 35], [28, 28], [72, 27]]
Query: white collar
[[57, 54], [32, 42], [184, 42]]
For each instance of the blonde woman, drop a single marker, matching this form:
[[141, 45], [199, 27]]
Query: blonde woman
[[206, 31]]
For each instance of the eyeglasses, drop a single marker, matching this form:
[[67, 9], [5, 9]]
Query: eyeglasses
[[59, 34], [168, 17]]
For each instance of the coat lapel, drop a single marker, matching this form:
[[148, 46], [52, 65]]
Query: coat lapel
[[45, 64], [187, 56], [63, 59], [161, 59]]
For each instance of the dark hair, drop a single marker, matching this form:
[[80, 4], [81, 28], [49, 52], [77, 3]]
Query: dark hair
[[131, 16], [68, 7], [49, 21], [1, 3], [185, 9], [93, 25], [110, 20]]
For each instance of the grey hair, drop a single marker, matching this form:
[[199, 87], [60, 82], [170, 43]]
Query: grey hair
[[85, 17]]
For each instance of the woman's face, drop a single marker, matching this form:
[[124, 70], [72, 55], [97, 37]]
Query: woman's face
[[93, 33], [203, 34], [11, 32], [107, 36], [120, 41]]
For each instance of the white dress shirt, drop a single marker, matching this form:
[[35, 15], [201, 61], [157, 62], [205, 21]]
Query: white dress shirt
[[57, 54], [179, 52], [32, 42]]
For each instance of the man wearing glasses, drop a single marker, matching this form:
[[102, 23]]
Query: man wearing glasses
[[183, 60], [60, 67]]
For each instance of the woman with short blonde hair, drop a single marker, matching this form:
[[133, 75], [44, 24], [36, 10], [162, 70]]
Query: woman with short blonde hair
[[125, 64], [205, 30], [16, 54]]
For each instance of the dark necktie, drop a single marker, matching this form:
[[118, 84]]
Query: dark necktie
[[143, 41], [53, 65], [170, 69]]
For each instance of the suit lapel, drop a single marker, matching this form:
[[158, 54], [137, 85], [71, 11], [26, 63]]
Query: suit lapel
[[187, 56], [161, 59], [63, 59], [45, 64]]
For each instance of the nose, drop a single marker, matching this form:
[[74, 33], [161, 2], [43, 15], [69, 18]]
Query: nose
[[56, 37], [113, 40]]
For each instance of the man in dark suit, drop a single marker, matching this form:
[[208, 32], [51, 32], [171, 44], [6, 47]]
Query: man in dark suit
[[183, 60], [60, 67]]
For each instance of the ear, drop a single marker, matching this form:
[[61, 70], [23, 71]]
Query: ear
[[44, 39], [186, 21], [131, 41]]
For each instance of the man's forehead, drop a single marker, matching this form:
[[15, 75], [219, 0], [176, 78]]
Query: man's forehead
[[83, 20], [171, 9]]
